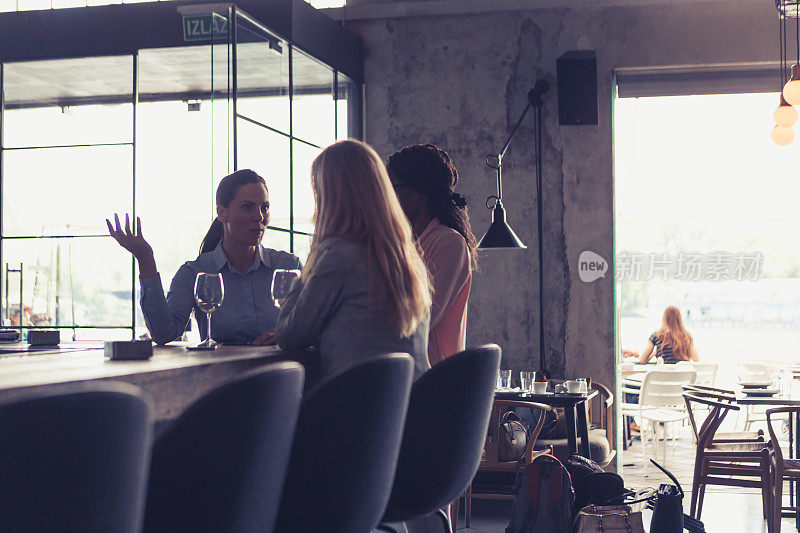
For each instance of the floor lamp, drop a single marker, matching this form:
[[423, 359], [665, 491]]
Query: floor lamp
[[500, 235]]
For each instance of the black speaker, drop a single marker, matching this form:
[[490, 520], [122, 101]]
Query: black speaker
[[576, 73]]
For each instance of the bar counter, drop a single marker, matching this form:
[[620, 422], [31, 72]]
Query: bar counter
[[172, 379]]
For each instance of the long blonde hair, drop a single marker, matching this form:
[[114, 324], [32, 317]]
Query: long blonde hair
[[355, 201], [674, 335]]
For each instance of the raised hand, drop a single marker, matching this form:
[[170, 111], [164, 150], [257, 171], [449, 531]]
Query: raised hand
[[134, 242]]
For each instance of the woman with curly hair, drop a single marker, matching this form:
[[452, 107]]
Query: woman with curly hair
[[425, 178]]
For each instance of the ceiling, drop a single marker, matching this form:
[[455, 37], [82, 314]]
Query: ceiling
[[164, 74]]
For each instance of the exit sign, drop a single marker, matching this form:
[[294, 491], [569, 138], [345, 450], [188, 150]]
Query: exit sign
[[204, 27]]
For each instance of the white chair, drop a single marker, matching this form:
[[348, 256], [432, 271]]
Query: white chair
[[706, 372], [706, 375], [661, 403], [754, 373]]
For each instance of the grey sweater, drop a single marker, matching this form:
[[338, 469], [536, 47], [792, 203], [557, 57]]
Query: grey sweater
[[332, 310]]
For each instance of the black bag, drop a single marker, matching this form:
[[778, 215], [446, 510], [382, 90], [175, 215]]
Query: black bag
[[592, 484], [668, 506], [512, 438]]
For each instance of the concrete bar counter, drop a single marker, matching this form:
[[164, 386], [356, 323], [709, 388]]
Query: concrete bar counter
[[172, 379]]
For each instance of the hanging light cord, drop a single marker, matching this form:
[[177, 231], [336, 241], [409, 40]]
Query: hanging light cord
[[782, 46], [797, 27]]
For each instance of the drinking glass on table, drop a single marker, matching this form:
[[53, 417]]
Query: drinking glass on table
[[208, 293], [526, 378], [504, 379], [282, 280]]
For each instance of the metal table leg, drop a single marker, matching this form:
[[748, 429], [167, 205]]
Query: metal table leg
[[572, 437], [583, 428]]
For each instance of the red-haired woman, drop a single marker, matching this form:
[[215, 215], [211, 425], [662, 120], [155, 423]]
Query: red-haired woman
[[672, 343]]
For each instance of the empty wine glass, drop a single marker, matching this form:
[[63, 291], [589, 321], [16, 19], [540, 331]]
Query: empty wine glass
[[282, 280], [208, 293]]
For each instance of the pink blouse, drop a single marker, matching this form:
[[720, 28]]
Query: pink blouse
[[447, 257]]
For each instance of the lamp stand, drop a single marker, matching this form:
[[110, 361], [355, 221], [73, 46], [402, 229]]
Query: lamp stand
[[500, 235]]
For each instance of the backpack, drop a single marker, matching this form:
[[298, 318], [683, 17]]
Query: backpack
[[513, 438], [543, 498], [592, 484]]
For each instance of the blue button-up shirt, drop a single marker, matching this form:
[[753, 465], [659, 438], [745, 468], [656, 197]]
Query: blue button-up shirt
[[247, 309]]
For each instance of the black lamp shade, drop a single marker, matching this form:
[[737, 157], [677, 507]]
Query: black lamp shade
[[500, 234]]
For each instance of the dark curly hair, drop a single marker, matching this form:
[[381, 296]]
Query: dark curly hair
[[429, 170]]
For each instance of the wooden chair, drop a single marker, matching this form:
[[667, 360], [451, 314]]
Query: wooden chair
[[602, 417], [780, 469], [736, 464], [491, 459], [723, 395]]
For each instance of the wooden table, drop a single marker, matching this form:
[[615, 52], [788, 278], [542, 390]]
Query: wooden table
[[575, 407], [172, 379]]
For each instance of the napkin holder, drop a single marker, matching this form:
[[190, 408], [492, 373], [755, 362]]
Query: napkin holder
[[44, 337], [129, 350]]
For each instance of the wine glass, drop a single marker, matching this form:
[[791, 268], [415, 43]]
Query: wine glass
[[282, 280], [208, 293]]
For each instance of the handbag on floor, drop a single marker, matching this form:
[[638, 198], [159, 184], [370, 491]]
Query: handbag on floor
[[667, 505], [609, 519]]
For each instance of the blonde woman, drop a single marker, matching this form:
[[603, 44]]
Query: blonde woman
[[672, 343], [364, 289]]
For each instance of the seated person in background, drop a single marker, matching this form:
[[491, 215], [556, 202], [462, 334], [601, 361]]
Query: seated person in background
[[231, 247], [672, 342], [364, 290], [424, 178]]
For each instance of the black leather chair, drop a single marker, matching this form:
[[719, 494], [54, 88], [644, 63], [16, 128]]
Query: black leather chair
[[448, 416], [346, 447], [75, 459], [221, 465]]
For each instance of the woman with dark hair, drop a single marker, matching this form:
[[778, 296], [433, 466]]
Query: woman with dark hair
[[231, 247], [424, 179]]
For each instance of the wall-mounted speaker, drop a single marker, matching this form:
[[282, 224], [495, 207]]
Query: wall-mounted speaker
[[576, 73]]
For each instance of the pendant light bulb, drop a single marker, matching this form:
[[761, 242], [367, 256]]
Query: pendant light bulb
[[785, 115], [791, 91], [782, 136]]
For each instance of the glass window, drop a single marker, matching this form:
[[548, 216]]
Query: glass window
[[303, 155], [277, 240], [65, 191], [68, 125], [302, 245], [262, 67], [64, 284], [267, 153], [693, 231], [345, 102], [60, 4], [313, 108], [68, 164], [31, 5]]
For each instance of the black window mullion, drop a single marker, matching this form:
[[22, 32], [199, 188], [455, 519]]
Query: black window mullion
[[291, 148], [135, 102], [233, 36], [335, 104]]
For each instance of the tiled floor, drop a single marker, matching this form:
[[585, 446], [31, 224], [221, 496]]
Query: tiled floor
[[726, 509]]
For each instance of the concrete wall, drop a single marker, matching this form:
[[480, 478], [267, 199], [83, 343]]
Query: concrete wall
[[460, 81]]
